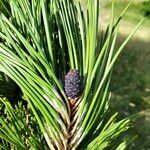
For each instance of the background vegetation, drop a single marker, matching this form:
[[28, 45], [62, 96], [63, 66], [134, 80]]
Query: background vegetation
[[131, 77]]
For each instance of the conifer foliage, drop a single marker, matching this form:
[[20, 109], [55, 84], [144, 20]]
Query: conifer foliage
[[49, 48]]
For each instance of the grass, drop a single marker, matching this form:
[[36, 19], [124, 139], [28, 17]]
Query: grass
[[130, 88], [130, 84], [134, 13]]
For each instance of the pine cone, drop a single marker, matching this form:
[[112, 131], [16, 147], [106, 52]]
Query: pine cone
[[73, 84]]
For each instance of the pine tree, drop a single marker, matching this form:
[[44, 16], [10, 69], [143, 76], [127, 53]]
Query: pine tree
[[40, 41]]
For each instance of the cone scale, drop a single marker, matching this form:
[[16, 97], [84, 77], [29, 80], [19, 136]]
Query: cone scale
[[73, 84]]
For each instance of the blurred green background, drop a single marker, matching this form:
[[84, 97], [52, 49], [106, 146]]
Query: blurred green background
[[130, 84]]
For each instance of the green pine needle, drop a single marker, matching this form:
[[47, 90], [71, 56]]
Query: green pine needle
[[40, 41]]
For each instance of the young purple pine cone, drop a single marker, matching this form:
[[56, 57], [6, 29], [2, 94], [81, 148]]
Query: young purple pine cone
[[73, 84]]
